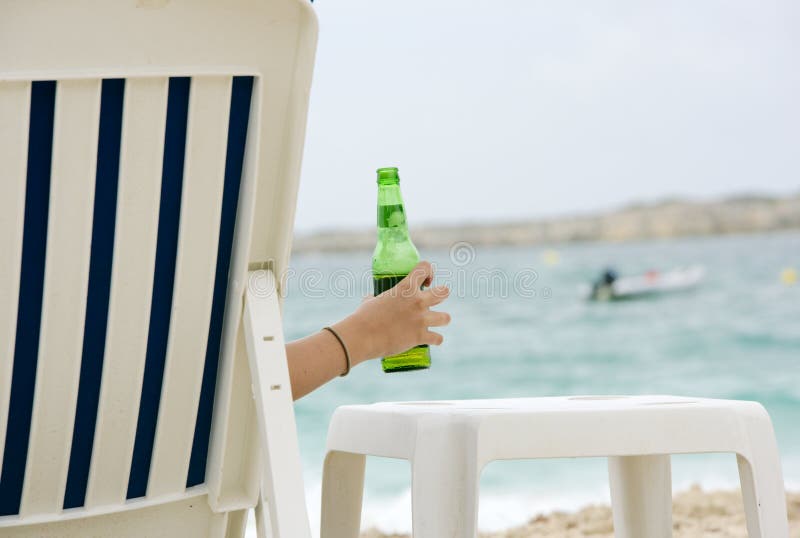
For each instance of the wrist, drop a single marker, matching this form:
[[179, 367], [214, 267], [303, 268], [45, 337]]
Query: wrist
[[358, 339]]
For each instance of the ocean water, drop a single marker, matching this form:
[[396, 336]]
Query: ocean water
[[522, 327]]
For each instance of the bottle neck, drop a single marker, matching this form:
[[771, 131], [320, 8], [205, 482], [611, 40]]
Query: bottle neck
[[391, 213]]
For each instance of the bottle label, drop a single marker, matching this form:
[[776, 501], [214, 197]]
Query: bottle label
[[385, 282]]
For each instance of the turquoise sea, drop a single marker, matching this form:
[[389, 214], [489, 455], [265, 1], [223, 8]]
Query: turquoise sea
[[522, 327]]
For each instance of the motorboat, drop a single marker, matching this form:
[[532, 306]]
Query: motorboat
[[611, 287]]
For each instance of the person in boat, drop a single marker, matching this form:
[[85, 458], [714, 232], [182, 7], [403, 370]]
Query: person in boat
[[603, 286]]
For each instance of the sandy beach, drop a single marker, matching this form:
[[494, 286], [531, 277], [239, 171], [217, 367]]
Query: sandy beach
[[696, 514]]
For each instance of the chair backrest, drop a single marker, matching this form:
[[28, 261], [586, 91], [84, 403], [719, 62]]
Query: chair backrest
[[149, 156]]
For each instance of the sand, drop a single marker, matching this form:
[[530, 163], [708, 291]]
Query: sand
[[696, 514]]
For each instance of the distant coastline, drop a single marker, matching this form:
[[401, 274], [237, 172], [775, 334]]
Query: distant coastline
[[658, 220]]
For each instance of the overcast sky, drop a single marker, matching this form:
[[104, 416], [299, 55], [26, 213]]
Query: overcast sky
[[512, 109]]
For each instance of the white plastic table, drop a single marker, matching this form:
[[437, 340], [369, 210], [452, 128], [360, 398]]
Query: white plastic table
[[449, 442]]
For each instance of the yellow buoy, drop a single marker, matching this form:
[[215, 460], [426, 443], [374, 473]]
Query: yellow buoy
[[789, 276], [551, 257]]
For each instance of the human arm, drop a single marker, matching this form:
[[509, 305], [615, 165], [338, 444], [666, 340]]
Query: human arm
[[394, 321]]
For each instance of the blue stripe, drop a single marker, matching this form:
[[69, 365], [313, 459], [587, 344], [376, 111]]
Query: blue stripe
[[31, 287], [94, 334], [164, 277], [237, 137]]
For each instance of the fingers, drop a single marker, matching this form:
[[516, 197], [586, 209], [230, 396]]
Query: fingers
[[421, 275], [437, 319], [432, 339], [435, 295]]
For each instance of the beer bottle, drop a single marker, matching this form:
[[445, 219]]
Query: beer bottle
[[395, 256]]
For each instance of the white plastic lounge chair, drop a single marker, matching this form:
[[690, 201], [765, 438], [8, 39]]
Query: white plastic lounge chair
[[149, 158], [449, 442]]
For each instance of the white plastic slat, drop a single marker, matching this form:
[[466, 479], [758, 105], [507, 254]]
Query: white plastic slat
[[69, 240], [15, 98], [233, 449], [232, 444], [201, 201], [135, 238]]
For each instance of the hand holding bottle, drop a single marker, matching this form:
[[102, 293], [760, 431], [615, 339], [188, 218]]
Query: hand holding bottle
[[394, 324], [398, 319]]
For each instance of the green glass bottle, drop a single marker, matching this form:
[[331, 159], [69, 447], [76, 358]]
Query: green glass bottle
[[395, 256]]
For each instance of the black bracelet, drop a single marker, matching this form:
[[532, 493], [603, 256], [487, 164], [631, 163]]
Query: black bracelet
[[344, 347]]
